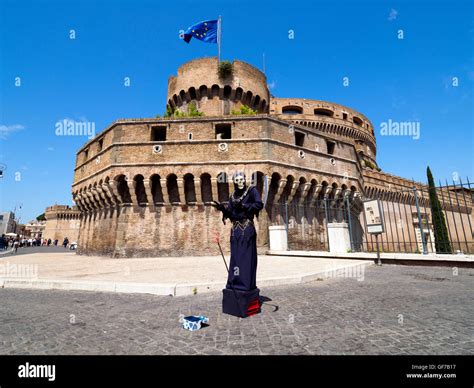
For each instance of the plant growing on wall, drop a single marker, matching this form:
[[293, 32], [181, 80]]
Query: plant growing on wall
[[224, 69], [168, 112], [243, 110], [441, 236], [178, 113], [193, 111]]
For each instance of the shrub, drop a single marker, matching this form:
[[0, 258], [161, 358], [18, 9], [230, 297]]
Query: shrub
[[243, 110], [224, 69], [193, 111], [178, 113], [168, 112]]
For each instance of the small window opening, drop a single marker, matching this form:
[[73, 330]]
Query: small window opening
[[299, 138], [223, 131], [158, 133], [331, 147]]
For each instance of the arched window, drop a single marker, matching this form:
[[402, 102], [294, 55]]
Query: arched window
[[256, 102], [189, 188], [203, 91], [357, 120], [156, 189], [292, 110], [248, 98], [173, 191], [140, 190], [215, 91], [238, 94], [323, 112], [122, 188], [227, 91], [222, 187], [192, 93], [206, 188]]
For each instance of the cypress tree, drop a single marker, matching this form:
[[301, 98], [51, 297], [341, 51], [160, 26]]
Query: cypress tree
[[442, 243]]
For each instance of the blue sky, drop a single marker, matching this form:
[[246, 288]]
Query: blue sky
[[402, 80]]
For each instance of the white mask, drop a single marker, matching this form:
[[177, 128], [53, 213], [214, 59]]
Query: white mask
[[239, 180]]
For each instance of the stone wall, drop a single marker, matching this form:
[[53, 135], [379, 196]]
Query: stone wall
[[62, 221], [198, 81], [162, 231]]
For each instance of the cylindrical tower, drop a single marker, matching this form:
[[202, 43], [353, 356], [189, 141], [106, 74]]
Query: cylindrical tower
[[215, 94]]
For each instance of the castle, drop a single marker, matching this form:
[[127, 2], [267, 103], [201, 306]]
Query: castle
[[61, 221], [144, 186]]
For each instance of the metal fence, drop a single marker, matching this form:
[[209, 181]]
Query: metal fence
[[408, 219]]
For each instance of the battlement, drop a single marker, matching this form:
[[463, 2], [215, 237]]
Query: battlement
[[328, 117], [62, 211], [198, 81]]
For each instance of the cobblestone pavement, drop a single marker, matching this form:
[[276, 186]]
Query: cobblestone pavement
[[393, 310]]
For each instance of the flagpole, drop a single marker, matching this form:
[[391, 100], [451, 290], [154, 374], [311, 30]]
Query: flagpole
[[219, 31]]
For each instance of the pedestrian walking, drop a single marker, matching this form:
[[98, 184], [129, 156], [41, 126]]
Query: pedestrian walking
[[16, 243]]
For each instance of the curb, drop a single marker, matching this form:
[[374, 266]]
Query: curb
[[163, 289], [464, 261]]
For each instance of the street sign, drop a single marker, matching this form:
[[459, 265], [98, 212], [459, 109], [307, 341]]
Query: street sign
[[374, 216]]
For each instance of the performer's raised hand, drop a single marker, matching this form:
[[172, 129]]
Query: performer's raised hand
[[218, 206]]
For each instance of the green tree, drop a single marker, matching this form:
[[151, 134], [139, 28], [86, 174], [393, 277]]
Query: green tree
[[442, 243], [41, 217]]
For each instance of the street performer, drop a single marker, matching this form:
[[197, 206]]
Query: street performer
[[241, 295]]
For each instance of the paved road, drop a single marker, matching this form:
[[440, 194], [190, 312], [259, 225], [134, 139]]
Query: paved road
[[393, 310], [29, 250]]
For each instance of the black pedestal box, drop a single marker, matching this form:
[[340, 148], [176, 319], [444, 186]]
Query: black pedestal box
[[241, 303]]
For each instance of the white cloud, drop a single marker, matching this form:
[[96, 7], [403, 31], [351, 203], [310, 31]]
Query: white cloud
[[5, 130], [272, 85], [392, 15]]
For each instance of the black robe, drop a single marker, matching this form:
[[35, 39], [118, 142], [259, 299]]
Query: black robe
[[243, 239]]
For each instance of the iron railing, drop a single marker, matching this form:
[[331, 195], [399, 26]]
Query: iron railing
[[408, 217]]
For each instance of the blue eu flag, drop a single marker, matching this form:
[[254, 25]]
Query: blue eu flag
[[205, 31]]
